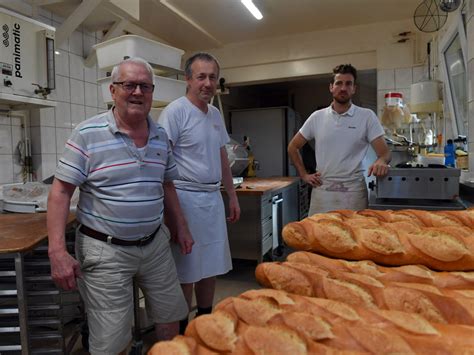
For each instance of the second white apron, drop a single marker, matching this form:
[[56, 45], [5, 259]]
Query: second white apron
[[205, 214]]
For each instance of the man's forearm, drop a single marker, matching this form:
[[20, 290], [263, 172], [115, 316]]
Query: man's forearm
[[172, 207], [297, 161], [58, 211]]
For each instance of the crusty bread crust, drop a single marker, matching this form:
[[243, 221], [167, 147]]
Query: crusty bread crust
[[438, 240]]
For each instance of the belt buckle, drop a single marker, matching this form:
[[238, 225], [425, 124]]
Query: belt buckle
[[144, 239]]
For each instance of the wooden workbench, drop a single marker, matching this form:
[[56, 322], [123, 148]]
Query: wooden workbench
[[21, 232], [259, 186]]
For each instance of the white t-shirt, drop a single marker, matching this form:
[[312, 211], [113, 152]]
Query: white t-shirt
[[341, 141], [196, 138]]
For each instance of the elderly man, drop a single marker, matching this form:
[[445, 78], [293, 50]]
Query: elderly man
[[123, 165], [198, 137], [342, 133]]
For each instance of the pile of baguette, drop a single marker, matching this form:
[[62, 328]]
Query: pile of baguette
[[313, 304], [439, 240]]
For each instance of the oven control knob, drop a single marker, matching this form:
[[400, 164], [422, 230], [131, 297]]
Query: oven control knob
[[372, 185]]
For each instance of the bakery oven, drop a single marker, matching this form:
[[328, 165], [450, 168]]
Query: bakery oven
[[432, 187]]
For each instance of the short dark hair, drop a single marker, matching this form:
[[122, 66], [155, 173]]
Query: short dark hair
[[344, 69], [207, 57]]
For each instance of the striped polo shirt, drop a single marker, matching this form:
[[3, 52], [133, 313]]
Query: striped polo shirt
[[121, 187]]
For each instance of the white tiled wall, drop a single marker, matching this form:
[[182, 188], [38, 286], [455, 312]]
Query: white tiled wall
[[77, 98], [398, 80]]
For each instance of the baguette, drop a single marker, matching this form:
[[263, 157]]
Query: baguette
[[301, 323], [225, 333], [180, 345], [354, 236], [434, 304], [407, 273]]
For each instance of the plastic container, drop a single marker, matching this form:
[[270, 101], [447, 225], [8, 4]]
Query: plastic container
[[395, 113], [166, 90], [112, 52], [449, 153]]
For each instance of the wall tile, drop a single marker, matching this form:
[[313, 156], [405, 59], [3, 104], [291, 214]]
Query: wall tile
[[17, 137], [100, 99], [48, 140], [91, 95], [380, 101], [420, 73], [62, 135], [90, 74], [403, 78], [77, 114], [77, 92], [6, 172], [91, 111], [76, 66], [62, 62], [6, 139], [5, 119], [46, 117], [62, 92], [48, 165], [386, 79], [75, 43], [63, 115], [16, 120], [35, 133]]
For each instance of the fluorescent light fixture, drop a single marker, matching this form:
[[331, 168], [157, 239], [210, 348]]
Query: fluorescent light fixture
[[253, 9]]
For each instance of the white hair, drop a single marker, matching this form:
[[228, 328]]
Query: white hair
[[136, 60]]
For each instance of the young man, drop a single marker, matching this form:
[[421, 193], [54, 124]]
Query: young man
[[124, 168], [342, 134], [198, 137]]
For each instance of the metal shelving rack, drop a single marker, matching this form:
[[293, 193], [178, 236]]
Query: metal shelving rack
[[46, 308]]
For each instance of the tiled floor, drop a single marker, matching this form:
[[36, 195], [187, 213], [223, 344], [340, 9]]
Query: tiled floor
[[240, 279]]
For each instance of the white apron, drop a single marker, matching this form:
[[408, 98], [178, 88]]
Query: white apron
[[332, 196], [203, 208]]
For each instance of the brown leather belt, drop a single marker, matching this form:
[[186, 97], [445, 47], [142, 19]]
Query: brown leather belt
[[112, 240]]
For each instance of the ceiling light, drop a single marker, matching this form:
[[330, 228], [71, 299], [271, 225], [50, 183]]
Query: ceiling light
[[253, 9]]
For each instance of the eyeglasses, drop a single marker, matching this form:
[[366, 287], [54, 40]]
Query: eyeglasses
[[131, 87]]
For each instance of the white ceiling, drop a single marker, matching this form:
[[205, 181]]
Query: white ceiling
[[204, 24]]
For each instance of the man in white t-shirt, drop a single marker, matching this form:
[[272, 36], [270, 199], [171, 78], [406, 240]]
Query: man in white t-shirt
[[342, 133], [198, 137]]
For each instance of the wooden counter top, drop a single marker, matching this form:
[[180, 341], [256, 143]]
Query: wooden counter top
[[259, 186], [20, 232]]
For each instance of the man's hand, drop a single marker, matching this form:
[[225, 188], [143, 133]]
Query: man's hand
[[234, 210], [184, 239], [313, 179], [64, 270], [379, 168]]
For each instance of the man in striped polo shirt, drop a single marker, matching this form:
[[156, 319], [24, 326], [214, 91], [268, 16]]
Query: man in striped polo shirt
[[122, 163]]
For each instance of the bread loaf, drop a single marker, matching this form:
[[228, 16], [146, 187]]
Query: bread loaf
[[434, 304], [390, 238], [274, 322], [225, 333], [406, 273], [180, 345]]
